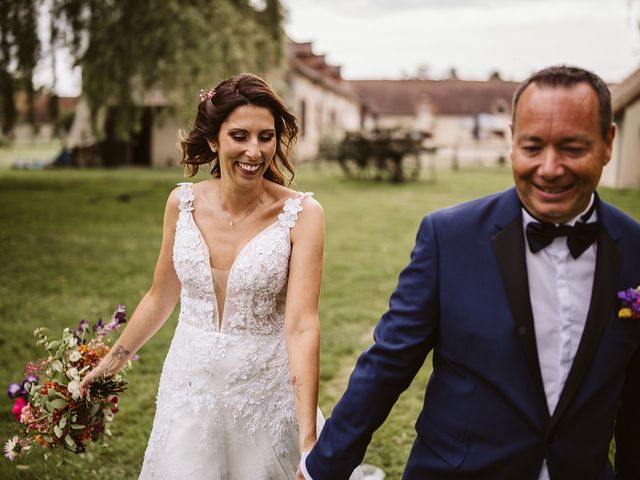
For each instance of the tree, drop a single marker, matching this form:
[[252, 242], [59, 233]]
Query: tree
[[495, 75], [128, 50], [19, 53]]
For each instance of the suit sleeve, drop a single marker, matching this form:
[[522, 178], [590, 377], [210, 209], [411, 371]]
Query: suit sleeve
[[627, 431], [403, 337]]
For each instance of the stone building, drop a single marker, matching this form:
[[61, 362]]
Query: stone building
[[468, 119], [325, 104], [623, 171]]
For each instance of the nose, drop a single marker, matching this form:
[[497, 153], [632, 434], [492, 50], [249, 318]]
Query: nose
[[253, 150], [551, 165]]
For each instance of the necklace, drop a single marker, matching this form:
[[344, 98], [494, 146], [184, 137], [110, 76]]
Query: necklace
[[233, 221]]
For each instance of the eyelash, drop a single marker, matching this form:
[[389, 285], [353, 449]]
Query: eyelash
[[531, 149], [569, 150], [240, 137], [574, 150]]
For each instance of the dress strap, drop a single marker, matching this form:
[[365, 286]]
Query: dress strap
[[186, 197], [292, 206]]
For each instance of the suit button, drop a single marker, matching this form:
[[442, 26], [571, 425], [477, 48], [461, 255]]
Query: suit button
[[522, 331]]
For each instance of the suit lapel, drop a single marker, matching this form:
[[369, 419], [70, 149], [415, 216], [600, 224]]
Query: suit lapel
[[509, 247], [603, 298]]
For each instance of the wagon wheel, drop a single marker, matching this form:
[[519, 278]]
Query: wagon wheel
[[354, 157], [399, 160], [411, 165]]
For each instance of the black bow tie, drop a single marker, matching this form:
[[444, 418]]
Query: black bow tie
[[579, 237]]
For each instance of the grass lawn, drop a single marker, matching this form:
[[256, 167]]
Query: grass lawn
[[29, 153], [76, 242]]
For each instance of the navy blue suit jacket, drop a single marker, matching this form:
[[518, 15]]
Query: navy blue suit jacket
[[464, 295]]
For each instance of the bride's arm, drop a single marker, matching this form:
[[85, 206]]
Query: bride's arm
[[302, 329], [154, 308]]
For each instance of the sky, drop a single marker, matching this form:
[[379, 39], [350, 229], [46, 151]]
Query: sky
[[389, 39], [393, 38]]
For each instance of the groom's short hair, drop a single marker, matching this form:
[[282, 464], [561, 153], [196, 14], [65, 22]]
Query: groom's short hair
[[568, 76]]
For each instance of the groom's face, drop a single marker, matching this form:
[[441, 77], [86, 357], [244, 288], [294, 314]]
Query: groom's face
[[558, 151]]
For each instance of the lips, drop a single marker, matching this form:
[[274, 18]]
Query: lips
[[554, 191]]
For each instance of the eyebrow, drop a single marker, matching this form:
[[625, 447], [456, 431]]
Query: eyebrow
[[238, 129], [563, 140]]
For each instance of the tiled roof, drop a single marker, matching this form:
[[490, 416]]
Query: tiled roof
[[626, 92], [446, 97], [304, 61]]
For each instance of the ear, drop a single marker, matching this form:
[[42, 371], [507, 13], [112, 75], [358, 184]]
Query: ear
[[608, 144], [213, 146], [511, 141]]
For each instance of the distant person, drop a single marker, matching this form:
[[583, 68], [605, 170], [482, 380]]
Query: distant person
[[238, 392], [475, 129], [533, 369], [64, 158]]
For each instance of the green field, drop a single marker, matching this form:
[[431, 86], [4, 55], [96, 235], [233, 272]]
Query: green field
[[76, 242]]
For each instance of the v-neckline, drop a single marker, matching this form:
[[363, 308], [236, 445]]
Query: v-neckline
[[218, 323]]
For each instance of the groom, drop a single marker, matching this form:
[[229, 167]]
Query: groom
[[533, 370]]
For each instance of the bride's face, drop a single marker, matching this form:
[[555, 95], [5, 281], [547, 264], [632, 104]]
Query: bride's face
[[246, 144]]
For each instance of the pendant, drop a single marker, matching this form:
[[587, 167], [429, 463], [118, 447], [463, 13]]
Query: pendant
[[231, 223]]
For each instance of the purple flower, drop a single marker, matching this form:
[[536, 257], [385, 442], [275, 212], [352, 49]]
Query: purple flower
[[119, 316], [630, 303], [98, 326], [28, 381], [13, 391], [83, 326]]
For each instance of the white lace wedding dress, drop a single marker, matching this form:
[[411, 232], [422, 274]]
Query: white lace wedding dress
[[225, 406]]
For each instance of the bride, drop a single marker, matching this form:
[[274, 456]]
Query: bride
[[238, 392]]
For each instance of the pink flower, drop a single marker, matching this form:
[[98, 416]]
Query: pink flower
[[15, 447], [26, 416], [18, 405]]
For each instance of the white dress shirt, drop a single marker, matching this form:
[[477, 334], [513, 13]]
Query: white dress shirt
[[560, 292]]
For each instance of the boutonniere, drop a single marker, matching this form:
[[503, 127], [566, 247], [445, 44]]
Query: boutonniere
[[629, 303]]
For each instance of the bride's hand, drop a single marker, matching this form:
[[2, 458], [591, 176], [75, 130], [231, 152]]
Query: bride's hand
[[111, 364], [97, 372]]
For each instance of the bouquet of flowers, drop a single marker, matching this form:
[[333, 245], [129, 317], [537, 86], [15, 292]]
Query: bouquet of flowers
[[48, 403]]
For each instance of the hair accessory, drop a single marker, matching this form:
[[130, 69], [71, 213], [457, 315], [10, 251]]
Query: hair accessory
[[206, 94]]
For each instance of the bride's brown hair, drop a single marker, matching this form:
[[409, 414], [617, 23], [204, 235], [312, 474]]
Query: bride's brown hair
[[213, 110]]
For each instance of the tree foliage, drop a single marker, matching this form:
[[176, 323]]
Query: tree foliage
[[130, 51], [19, 53]]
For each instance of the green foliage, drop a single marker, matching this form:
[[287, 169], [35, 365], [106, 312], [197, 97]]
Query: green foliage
[[74, 243], [131, 50], [19, 54]]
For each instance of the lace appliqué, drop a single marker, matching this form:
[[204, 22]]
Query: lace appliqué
[[240, 373]]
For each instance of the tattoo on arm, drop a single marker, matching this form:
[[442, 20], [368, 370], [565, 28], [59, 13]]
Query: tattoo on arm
[[296, 383], [117, 356]]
